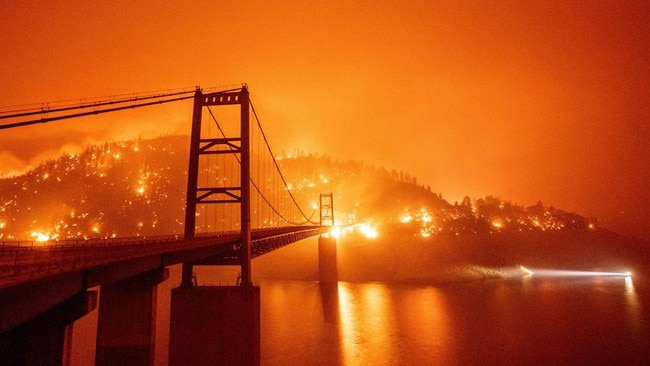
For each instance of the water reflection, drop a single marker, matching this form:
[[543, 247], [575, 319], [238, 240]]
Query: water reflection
[[425, 321], [297, 324], [524, 320], [387, 325], [633, 307], [366, 324], [329, 294], [528, 320], [527, 282]]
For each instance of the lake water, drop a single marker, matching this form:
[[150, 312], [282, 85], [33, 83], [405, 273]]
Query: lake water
[[516, 321], [530, 320]]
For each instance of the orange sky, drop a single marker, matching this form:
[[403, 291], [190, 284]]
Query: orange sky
[[525, 100]]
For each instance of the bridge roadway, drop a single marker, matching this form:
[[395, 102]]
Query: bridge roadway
[[36, 276]]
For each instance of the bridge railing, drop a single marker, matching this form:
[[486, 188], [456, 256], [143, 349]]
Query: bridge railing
[[95, 242], [106, 242], [28, 259], [25, 260]]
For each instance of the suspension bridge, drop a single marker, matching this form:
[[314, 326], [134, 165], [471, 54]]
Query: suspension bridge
[[238, 206]]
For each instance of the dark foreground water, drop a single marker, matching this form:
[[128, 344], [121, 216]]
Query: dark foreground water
[[530, 320]]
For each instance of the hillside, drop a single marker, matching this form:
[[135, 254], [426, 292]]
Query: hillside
[[137, 188], [128, 188]]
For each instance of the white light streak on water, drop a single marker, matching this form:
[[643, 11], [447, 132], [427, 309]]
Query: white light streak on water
[[571, 273]]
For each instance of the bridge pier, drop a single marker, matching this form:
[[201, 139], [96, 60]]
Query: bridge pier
[[327, 267], [215, 325], [187, 275], [43, 340], [126, 324]]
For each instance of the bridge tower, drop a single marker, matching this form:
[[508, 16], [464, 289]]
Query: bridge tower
[[326, 209], [217, 324], [327, 267], [202, 147]]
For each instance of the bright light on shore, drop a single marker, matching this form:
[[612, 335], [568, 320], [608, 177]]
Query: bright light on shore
[[526, 270], [335, 232]]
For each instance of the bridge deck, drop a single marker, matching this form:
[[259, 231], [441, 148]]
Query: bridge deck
[[24, 262]]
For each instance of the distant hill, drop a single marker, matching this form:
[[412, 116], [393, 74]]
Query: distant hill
[[137, 188]]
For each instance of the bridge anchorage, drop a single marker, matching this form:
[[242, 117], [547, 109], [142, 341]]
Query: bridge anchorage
[[44, 289]]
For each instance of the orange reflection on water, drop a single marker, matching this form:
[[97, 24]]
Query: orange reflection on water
[[375, 325], [426, 313], [633, 306], [364, 310]]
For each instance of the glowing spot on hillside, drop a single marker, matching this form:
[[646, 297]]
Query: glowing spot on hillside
[[497, 224], [425, 216], [40, 237], [368, 231]]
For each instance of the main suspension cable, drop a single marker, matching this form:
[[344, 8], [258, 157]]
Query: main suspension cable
[[137, 104], [277, 167], [95, 104]]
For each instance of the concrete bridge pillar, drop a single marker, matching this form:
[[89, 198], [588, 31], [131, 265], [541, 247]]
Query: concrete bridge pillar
[[327, 267], [44, 340], [126, 324], [215, 325]]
